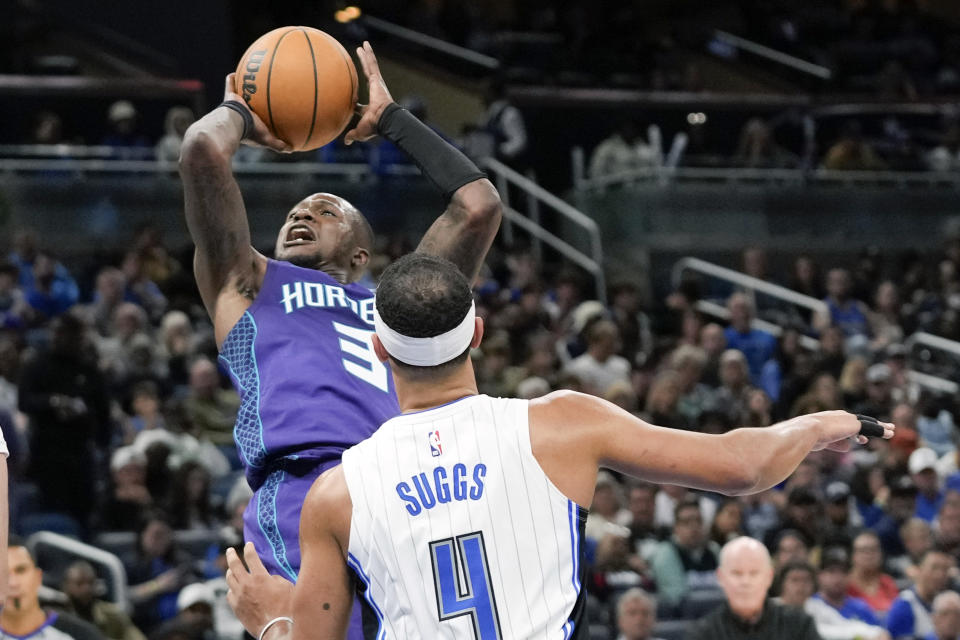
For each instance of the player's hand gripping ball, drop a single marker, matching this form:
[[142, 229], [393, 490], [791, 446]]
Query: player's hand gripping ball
[[302, 83]]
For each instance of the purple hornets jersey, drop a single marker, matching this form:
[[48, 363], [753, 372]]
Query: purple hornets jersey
[[302, 361]]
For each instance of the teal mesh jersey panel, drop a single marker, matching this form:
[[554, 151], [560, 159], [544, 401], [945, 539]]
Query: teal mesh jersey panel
[[238, 353]]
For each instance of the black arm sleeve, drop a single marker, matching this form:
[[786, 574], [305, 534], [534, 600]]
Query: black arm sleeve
[[440, 162]]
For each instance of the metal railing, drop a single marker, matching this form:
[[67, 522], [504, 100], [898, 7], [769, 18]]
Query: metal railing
[[736, 175], [773, 55], [423, 40], [118, 575], [752, 284], [504, 177]]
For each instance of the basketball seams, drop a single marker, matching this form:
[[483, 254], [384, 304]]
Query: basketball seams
[[273, 56], [351, 73], [316, 88]]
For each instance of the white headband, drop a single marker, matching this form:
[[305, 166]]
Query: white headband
[[426, 352]]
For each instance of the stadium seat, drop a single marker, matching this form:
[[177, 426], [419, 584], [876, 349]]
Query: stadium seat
[[48, 521]]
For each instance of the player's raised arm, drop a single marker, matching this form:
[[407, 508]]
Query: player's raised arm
[[739, 462], [465, 231], [225, 264]]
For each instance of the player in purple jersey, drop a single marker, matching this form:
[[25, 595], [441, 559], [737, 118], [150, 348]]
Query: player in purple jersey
[[295, 331]]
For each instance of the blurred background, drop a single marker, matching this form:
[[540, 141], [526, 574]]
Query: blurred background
[[715, 216]]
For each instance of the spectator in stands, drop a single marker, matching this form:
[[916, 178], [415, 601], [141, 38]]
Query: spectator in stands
[[910, 613], [211, 409], [885, 320], [107, 297], [607, 506], [662, 406], [22, 617], [850, 315], [795, 584], [728, 522], [757, 345], [141, 290], [805, 277], [644, 534], [879, 401], [789, 546], [831, 357], [195, 604], [128, 499], [65, 397], [600, 366], [917, 537], [729, 398], [145, 409], [175, 125], [636, 615], [671, 495], [49, 296], [80, 588], [189, 501], [687, 560], [503, 123], [833, 583], [122, 119], [626, 152], [714, 342], [615, 567], [25, 252], [178, 345], [946, 530], [923, 470], [745, 574], [842, 519], [157, 573], [853, 381], [867, 579], [823, 395], [851, 153], [934, 424], [945, 617], [758, 149], [633, 323], [14, 310]]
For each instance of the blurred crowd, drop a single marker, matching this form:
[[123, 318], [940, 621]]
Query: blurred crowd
[[120, 418]]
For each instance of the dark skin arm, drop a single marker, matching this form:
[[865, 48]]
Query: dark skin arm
[[464, 232], [228, 270]]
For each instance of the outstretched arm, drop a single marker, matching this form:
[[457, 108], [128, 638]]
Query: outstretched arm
[[574, 433], [465, 231], [227, 269]]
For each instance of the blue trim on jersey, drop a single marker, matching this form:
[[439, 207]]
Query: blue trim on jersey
[[574, 516], [238, 351], [439, 406], [354, 564], [46, 623], [267, 521]]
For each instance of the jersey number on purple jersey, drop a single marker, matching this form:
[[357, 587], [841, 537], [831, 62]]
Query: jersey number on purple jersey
[[357, 344]]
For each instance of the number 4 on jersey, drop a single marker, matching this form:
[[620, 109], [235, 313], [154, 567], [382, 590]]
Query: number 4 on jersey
[[356, 343], [475, 597]]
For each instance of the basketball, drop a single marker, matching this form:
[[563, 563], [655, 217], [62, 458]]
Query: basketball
[[301, 82]]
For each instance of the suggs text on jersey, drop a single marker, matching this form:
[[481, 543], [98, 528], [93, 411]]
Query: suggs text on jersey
[[427, 490]]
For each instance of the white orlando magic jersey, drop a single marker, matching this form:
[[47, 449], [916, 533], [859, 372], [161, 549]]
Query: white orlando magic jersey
[[458, 533]]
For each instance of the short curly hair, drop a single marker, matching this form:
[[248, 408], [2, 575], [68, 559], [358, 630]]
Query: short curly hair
[[422, 296]]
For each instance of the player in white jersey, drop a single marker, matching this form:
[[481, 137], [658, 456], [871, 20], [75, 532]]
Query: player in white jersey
[[463, 517]]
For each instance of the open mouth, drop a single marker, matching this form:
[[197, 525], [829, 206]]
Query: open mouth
[[299, 234]]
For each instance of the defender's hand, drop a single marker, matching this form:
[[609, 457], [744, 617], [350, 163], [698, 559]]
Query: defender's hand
[[837, 427], [260, 135], [255, 596], [379, 97]]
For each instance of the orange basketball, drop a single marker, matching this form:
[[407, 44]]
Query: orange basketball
[[301, 82]]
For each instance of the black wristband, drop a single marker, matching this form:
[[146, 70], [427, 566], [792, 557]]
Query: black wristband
[[244, 111], [443, 164]]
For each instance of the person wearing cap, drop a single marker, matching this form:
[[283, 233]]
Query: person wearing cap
[[910, 614], [946, 617], [923, 471], [122, 118], [842, 518], [194, 617]]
